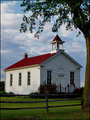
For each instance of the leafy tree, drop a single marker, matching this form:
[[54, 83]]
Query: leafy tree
[[69, 12], [2, 85]]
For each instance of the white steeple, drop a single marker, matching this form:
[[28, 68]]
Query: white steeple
[[57, 44]]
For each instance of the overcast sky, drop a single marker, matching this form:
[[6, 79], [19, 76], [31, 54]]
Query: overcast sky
[[14, 44]]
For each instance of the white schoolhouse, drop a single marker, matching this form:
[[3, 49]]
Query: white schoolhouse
[[56, 67]]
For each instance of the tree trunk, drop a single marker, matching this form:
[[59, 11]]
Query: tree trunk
[[86, 93]]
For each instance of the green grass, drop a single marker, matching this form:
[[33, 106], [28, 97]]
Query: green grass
[[61, 113]]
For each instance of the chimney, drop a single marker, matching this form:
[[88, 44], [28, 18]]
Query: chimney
[[25, 56]]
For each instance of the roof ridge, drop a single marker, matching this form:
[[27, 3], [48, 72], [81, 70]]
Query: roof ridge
[[39, 55]]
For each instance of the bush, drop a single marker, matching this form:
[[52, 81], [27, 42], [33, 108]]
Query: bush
[[10, 93], [2, 85], [34, 93], [79, 91], [3, 92], [31, 95], [51, 88], [82, 101]]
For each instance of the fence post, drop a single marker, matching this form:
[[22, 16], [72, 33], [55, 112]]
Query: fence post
[[74, 87], [47, 101], [68, 88], [65, 89], [60, 87], [65, 92]]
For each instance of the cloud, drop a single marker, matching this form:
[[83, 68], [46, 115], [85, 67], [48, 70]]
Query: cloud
[[5, 51], [2, 74], [10, 27], [68, 33], [11, 20], [75, 47], [7, 7]]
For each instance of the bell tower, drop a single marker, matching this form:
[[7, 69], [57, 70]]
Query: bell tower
[[57, 44]]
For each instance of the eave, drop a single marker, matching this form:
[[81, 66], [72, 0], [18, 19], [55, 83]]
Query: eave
[[25, 67]]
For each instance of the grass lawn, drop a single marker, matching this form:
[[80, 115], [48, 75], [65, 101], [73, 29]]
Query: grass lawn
[[60, 113]]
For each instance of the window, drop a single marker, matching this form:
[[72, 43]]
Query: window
[[71, 78], [20, 77], [49, 76], [28, 78], [11, 78]]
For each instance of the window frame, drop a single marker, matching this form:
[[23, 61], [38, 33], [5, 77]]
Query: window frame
[[28, 77], [11, 79], [72, 76], [20, 79], [49, 76]]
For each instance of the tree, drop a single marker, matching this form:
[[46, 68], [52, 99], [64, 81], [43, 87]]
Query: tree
[[2, 85], [69, 12]]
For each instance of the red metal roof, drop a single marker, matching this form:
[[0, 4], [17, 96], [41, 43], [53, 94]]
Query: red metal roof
[[57, 38], [31, 61]]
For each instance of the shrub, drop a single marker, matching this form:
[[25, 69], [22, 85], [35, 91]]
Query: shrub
[[31, 95], [10, 93], [51, 88], [2, 85], [34, 93], [3, 92], [79, 91], [82, 101]]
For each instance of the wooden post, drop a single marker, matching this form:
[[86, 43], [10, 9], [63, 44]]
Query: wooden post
[[47, 101], [65, 89], [65, 92], [68, 88], [60, 87], [74, 87]]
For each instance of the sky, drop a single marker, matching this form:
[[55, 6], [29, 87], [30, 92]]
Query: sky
[[14, 44]]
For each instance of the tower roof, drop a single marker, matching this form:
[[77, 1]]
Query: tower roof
[[57, 38]]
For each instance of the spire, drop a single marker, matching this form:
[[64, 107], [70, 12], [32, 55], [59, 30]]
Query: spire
[[57, 38], [57, 44]]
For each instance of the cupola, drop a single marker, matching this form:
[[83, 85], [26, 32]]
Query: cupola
[[57, 44]]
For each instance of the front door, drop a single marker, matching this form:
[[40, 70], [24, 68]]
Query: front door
[[62, 82]]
